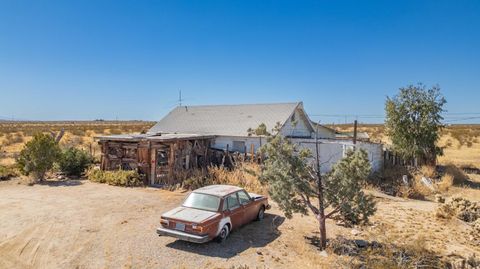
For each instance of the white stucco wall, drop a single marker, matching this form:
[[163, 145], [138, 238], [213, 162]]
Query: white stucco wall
[[330, 150], [221, 142], [299, 129]]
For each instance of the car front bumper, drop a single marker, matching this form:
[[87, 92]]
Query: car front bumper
[[183, 235]]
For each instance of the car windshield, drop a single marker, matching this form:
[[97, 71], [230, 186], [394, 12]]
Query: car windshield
[[202, 201]]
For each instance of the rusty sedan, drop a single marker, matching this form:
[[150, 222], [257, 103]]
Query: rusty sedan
[[212, 212]]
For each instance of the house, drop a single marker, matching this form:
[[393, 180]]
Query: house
[[191, 137]]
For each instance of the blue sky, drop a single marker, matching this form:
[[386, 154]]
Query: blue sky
[[128, 59]]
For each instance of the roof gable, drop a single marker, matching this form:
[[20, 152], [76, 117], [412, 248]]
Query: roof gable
[[228, 120]]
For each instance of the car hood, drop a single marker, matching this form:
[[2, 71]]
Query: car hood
[[189, 214]]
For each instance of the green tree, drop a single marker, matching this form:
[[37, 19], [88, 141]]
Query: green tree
[[74, 161], [413, 122], [295, 184], [261, 130], [38, 156]]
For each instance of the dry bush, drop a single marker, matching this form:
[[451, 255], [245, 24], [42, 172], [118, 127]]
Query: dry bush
[[466, 135], [418, 189], [7, 172], [243, 174], [445, 211], [428, 171], [11, 139], [25, 180], [413, 254], [126, 178], [459, 176], [445, 183], [116, 131], [461, 208]]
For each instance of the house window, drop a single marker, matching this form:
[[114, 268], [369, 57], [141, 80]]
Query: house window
[[162, 158], [238, 146]]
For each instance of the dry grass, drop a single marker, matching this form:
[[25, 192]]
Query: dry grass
[[428, 171], [244, 174], [445, 183], [458, 175]]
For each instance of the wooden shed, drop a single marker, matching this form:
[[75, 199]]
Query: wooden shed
[[163, 159]]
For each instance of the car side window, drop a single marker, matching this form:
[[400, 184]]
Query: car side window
[[232, 201], [225, 205], [243, 197]]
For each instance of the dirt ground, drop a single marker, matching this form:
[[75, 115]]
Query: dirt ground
[[79, 224]]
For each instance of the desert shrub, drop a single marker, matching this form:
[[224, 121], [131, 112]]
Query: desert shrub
[[417, 190], [428, 171], [410, 193], [445, 183], [7, 172], [126, 178], [386, 255], [77, 132], [196, 180], [38, 156], [461, 208], [243, 174], [96, 175], [445, 211], [475, 232], [11, 139], [73, 161], [466, 135], [459, 176], [116, 131]]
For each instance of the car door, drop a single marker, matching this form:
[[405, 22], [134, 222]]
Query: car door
[[249, 207], [234, 210]]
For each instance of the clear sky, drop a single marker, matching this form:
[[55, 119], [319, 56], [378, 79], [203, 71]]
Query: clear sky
[[128, 59]]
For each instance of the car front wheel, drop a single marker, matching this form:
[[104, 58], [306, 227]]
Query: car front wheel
[[261, 213], [222, 236]]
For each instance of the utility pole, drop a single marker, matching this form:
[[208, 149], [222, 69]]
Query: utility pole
[[355, 132], [321, 209]]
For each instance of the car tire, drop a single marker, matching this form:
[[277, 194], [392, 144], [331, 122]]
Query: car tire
[[261, 213], [222, 236]]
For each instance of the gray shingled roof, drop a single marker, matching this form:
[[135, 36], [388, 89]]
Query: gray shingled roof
[[228, 120]]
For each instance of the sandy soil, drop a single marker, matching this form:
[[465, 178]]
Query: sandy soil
[[79, 224]]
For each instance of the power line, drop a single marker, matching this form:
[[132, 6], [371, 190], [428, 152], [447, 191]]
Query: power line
[[447, 117]]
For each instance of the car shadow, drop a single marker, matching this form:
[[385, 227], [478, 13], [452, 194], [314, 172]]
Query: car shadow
[[61, 183], [252, 235]]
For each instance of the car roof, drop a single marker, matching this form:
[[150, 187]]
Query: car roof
[[218, 190]]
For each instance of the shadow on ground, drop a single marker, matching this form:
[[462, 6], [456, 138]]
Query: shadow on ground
[[61, 183], [468, 183], [252, 235]]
